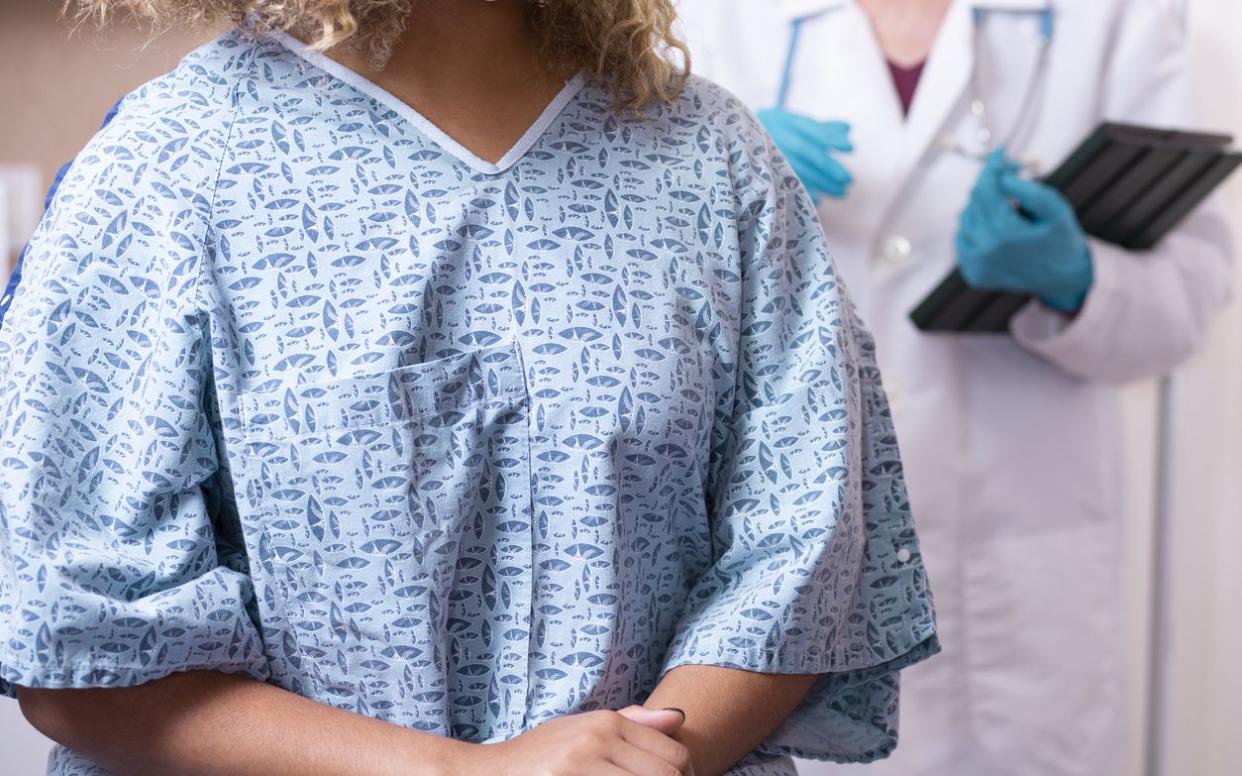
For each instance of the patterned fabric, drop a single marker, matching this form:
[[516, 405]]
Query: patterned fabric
[[10, 290], [298, 388]]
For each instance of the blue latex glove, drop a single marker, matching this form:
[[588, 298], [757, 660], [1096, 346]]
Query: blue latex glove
[[1019, 235], [808, 144]]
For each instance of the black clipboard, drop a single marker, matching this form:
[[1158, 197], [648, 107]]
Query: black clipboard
[[1130, 186]]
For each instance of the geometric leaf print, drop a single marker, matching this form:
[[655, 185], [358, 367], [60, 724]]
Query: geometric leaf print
[[296, 387]]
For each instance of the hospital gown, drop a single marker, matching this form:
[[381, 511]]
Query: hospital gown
[[296, 387]]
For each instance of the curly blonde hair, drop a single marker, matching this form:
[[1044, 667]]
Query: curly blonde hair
[[627, 45]]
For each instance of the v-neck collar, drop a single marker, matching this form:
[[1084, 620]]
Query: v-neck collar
[[422, 124]]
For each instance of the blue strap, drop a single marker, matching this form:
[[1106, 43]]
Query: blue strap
[[795, 34], [1047, 20], [6, 300], [1047, 24]]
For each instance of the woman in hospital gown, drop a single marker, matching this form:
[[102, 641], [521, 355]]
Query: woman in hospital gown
[[296, 387]]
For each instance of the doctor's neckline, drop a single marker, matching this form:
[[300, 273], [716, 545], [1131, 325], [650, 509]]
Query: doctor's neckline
[[425, 126]]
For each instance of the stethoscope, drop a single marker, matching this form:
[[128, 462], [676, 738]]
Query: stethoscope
[[984, 138]]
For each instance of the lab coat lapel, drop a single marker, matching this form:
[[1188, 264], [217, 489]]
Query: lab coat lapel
[[943, 86], [840, 74]]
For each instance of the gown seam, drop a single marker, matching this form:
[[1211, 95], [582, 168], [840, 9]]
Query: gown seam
[[208, 239], [201, 280], [79, 667], [530, 488]]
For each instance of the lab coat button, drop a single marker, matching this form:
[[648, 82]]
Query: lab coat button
[[894, 390], [903, 555], [897, 249]]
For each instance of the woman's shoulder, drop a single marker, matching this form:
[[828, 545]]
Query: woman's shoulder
[[175, 127], [200, 99], [199, 89], [708, 104], [703, 114], [157, 159]]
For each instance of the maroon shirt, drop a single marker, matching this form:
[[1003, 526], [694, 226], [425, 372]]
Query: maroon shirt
[[907, 81]]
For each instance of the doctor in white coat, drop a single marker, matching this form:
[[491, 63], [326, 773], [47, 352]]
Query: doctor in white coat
[[1012, 443]]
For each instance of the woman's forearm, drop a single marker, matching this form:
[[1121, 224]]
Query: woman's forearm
[[728, 712], [212, 724]]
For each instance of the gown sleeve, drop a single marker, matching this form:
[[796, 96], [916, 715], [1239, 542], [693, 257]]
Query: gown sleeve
[[816, 563], [111, 572]]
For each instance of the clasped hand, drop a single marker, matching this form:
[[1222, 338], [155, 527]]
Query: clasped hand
[[631, 742], [1036, 247]]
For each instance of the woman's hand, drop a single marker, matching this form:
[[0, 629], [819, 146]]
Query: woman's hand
[[636, 742]]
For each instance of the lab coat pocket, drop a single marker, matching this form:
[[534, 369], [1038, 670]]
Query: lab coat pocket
[[396, 514], [1041, 635]]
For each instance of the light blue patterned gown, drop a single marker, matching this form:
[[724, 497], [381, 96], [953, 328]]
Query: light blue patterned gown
[[296, 387]]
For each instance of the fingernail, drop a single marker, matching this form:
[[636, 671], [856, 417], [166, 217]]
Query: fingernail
[[674, 708]]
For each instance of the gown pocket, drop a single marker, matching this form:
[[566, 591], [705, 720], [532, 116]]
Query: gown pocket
[[395, 514]]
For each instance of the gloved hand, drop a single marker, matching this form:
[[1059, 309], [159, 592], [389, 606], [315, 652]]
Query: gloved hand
[[807, 144], [1039, 249]]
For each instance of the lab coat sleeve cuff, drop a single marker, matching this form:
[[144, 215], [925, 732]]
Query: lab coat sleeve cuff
[[1073, 342]]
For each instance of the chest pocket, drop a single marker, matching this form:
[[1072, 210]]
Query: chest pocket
[[395, 514]]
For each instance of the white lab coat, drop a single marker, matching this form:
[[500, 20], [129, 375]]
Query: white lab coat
[[1012, 444]]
